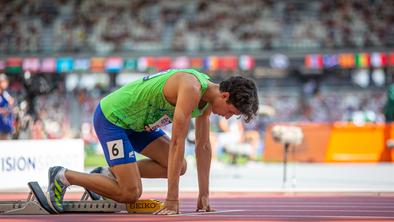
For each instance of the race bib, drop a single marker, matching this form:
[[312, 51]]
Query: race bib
[[115, 149], [164, 120]]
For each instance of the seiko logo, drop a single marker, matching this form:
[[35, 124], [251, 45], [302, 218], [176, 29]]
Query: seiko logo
[[142, 205]]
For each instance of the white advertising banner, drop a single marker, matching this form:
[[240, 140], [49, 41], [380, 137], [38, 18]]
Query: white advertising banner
[[22, 161]]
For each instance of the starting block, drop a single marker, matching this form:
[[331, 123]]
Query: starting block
[[37, 204]]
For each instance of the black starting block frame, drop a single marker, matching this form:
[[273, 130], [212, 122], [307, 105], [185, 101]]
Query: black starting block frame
[[37, 204]]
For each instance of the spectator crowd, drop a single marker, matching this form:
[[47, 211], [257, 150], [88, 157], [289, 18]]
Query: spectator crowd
[[103, 26]]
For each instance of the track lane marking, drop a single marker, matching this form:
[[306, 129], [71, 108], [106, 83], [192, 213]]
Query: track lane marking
[[265, 216], [204, 213]]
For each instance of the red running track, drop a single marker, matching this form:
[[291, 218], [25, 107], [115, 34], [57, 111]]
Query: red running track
[[247, 207]]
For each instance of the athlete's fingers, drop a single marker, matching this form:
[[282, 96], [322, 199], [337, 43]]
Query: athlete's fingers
[[166, 212], [205, 209], [209, 209], [160, 211], [203, 205]]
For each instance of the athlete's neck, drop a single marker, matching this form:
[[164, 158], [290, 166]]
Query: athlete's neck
[[211, 93]]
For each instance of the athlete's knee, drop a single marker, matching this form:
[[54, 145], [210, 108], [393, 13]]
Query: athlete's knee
[[184, 167], [129, 194]]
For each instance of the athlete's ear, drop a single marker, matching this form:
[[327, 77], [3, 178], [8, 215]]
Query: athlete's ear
[[225, 95]]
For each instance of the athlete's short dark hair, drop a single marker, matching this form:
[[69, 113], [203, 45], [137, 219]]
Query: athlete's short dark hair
[[243, 95]]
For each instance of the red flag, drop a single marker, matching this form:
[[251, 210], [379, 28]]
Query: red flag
[[391, 59], [197, 63], [228, 63], [163, 63], [14, 62]]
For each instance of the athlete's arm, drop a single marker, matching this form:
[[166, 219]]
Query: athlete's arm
[[203, 159], [188, 95]]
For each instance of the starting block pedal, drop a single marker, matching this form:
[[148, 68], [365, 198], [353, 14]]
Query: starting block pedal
[[31, 206], [21, 208], [37, 203], [40, 196]]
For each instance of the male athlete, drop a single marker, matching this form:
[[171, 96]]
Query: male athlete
[[129, 119]]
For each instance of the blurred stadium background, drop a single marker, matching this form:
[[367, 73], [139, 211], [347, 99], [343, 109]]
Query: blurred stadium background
[[325, 66]]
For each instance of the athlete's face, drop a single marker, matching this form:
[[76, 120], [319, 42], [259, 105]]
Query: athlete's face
[[3, 84], [222, 108]]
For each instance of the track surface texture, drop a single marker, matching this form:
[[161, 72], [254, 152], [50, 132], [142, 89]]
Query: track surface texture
[[247, 207]]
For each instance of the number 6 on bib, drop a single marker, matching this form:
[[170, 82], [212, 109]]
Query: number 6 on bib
[[115, 149]]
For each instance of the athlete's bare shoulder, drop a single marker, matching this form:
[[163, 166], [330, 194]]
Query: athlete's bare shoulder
[[181, 80], [184, 78]]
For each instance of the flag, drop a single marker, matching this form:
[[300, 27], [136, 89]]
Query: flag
[[330, 61], [211, 63], [163, 63], [197, 63], [31, 64], [48, 65], [346, 60], [363, 60], [81, 65], [65, 65], [314, 61], [2, 65], [246, 62], [181, 62], [391, 59], [14, 65], [228, 63], [378, 59], [130, 64], [97, 64], [145, 63], [113, 64]]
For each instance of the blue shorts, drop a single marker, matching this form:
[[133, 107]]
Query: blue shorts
[[6, 124], [5, 129], [120, 144]]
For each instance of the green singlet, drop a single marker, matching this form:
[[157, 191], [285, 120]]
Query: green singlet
[[142, 106]]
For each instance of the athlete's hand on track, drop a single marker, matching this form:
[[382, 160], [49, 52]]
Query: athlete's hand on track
[[170, 207], [203, 204]]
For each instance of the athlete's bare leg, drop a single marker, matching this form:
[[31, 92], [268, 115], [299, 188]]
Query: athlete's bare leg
[[127, 187], [156, 165]]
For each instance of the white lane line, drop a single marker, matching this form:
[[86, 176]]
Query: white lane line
[[250, 207], [310, 210], [339, 203], [265, 216], [205, 213], [295, 205]]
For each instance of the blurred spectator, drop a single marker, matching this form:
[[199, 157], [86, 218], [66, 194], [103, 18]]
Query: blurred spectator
[[231, 140], [113, 26], [389, 106], [252, 137], [6, 109], [38, 130]]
